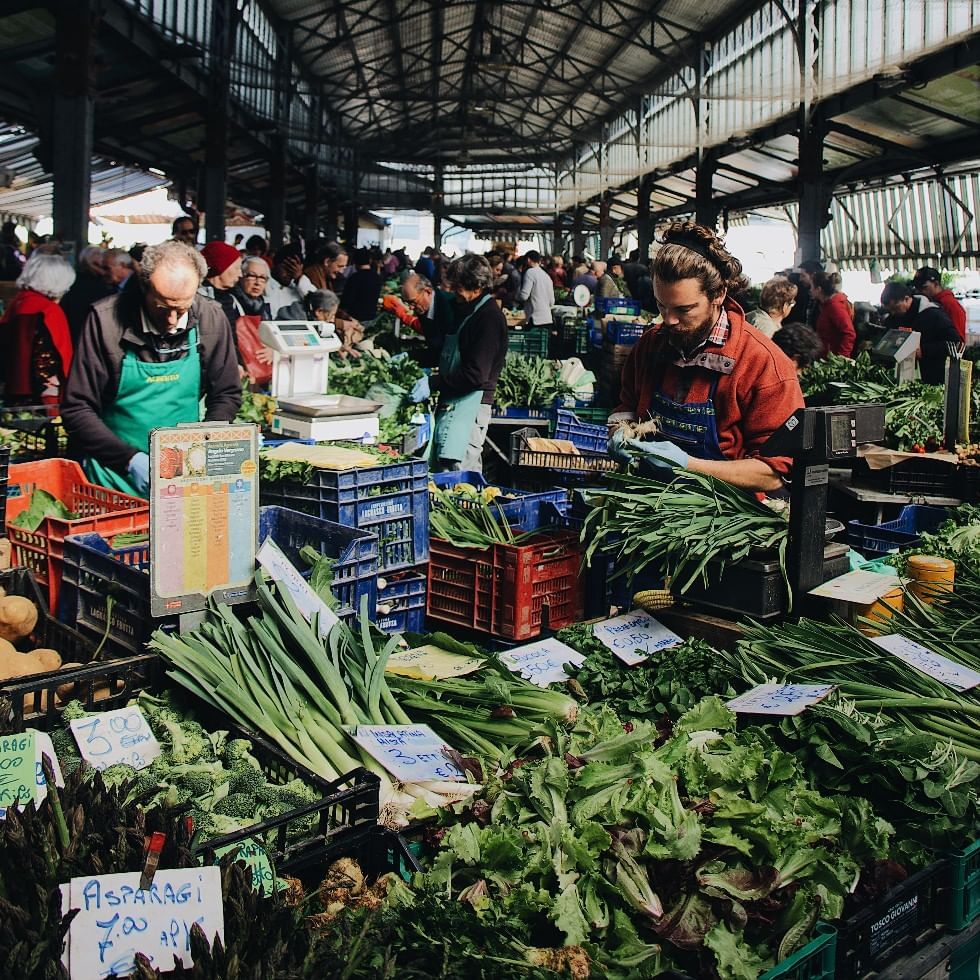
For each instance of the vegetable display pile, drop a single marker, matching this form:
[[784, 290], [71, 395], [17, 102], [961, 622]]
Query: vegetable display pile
[[818, 380], [957, 538], [531, 382], [41, 506], [256, 407], [678, 528], [708, 852], [479, 524]]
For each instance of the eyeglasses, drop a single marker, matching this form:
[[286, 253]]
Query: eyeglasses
[[250, 275]]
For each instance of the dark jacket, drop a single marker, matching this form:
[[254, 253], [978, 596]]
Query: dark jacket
[[936, 330], [114, 327], [482, 350], [435, 327], [85, 290], [361, 294]]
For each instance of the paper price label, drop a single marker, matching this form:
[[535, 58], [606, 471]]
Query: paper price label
[[271, 558], [256, 860], [113, 737], [542, 663], [17, 754], [634, 636], [862, 587], [429, 662], [779, 699], [941, 668], [117, 919], [411, 753]]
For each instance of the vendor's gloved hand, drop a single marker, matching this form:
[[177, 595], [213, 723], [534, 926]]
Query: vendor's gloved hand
[[420, 390], [661, 454], [617, 446], [139, 473]]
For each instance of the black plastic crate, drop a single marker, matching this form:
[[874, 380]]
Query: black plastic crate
[[347, 805], [968, 484], [914, 477], [40, 435], [908, 916], [99, 686]]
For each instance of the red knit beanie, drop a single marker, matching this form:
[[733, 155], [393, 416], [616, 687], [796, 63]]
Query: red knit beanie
[[219, 256]]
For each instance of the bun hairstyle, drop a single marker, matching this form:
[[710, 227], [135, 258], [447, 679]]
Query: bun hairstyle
[[691, 251], [827, 282]]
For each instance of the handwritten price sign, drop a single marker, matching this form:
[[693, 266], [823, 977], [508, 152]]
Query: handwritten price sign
[[21, 775], [113, 737], [411, 753], [779, 699], [117, 919], [542, 663], [256, 861], [634, 636], [941, 668]]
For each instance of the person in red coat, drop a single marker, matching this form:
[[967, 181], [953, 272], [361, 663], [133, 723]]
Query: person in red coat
[[716, 387], [929, 283], [835, 319], [35, 341]]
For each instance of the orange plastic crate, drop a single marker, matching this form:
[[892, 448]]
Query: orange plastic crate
[[99, 509], [507, 590]]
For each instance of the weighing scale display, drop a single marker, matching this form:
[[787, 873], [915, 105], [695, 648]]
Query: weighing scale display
[[891, 343], [300, 338], [841, 436]]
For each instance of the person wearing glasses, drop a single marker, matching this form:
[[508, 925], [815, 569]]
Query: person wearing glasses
[[156, 354], [249, 291]]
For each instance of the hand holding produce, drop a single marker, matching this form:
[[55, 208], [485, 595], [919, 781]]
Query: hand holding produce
[[660, 455], [420, 390]]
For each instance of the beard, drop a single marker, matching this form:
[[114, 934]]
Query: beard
[[685, 338]]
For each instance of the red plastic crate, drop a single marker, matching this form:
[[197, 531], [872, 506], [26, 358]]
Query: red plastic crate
[[504, 590], [100, 509]]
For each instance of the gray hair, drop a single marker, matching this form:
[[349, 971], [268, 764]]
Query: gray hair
[[421, 282], [90, 259], [172, 254], [249, 260], [322, 299], [46, 273], [118, 256], [470, 272]]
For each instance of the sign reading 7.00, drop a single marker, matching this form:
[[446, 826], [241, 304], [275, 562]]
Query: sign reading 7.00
[[114, 737]]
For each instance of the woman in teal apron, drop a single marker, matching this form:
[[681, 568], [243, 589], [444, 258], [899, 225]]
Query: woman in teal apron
[[150, 396], [455, 417]]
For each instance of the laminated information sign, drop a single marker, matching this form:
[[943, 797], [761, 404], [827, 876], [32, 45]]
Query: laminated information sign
[[204, 515]]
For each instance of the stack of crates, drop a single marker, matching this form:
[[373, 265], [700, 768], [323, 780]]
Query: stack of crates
[[530, 341], [390, 500]]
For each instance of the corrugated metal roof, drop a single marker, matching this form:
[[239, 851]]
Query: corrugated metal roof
[[30, 194]]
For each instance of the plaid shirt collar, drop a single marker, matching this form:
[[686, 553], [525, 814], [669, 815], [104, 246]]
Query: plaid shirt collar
[[718, 337]]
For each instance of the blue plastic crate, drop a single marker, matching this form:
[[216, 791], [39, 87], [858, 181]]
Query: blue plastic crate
[[95, 570], [874, 540], [619, 304], [518, 412], [585, 435], [391, 501], [401, 601], [524, 511], [624, 333]]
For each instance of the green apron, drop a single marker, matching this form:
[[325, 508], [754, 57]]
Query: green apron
[[455, 417], [151, 395]]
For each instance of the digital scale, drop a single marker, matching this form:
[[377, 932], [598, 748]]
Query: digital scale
[[817, 438], [897, 349], [300, 363]]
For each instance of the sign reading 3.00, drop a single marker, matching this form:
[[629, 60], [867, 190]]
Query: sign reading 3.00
[[116, 737]]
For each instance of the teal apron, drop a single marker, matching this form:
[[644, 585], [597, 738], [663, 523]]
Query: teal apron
[[150, 395], [455, 417]]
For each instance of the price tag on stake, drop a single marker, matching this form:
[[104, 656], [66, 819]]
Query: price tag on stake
[[255, 859], [779, 699], [633, 636], [411, 753], [941, 668], [18, 770], [117, 919], [42, 746], [271, 558], [113, 737], [541, 663]]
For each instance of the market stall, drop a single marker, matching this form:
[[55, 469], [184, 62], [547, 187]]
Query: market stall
[[316, 711]]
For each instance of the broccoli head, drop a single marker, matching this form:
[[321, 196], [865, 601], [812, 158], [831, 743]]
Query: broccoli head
[[73, 710], [238, 750], [117, 775], [246, 779], [213, 825], [291, 795], [241, 806]]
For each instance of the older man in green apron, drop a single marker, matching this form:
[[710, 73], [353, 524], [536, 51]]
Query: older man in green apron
[[157, 354], [470, 363]]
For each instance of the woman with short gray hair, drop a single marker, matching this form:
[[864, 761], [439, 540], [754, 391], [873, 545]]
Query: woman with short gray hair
[[35, 342], [470, 364]]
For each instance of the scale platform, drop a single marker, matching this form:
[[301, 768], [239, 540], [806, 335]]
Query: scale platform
[[325, 418]]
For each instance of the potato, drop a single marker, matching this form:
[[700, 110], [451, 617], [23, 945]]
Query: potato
[[45, 659], [18, 617]]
